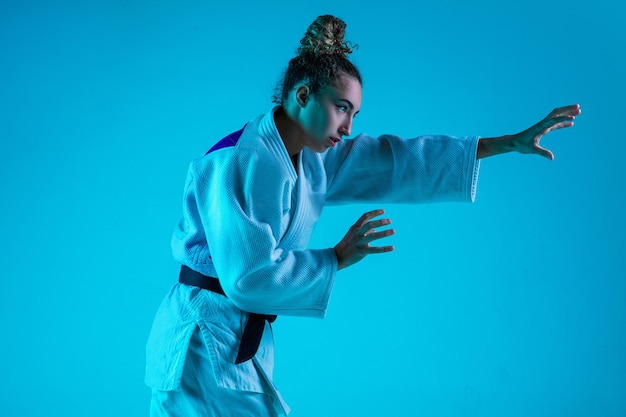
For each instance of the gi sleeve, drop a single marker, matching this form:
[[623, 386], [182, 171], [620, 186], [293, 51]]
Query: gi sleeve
[[391, 169], [241, 200]]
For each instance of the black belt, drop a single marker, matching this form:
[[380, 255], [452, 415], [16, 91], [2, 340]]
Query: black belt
[[256, 322]]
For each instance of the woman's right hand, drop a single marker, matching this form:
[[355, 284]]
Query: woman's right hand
[[355, 244]]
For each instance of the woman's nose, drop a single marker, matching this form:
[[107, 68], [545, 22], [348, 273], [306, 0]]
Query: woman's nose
[[346, 129]]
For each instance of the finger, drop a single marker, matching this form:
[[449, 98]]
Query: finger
[[571, 110], [367, 227], [551, 128], [543, 152], [548, 124], [367, 216], [562, 125], [378, 249], [370, 237]]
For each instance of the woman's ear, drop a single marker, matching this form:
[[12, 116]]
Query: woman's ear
[[302, 95]]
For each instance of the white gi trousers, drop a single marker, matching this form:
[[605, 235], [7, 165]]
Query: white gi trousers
[[200, 396]]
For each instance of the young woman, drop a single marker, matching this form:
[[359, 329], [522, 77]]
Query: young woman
[[249, 208]]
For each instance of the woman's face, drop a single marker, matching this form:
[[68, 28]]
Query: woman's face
[[328, 116]]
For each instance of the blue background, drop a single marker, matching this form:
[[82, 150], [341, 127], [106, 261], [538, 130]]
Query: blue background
[[514, 305]]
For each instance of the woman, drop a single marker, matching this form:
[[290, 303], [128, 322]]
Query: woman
[[249, 208]]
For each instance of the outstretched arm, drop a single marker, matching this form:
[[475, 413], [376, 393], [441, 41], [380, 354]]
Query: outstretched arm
[[528, 141]]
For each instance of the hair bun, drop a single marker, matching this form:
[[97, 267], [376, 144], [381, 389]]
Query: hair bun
[[326, 36]]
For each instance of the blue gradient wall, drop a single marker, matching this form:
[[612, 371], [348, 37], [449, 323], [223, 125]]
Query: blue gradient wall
[[515, 305]]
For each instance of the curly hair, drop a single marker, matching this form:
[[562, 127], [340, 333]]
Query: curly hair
[[321, 58]]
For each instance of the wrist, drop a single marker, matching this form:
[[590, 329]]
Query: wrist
[[340, 265], [495, 146]]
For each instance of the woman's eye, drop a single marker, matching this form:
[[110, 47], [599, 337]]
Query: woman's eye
[[342, 109]]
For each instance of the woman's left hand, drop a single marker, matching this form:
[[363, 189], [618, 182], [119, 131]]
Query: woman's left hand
[[528, 141]]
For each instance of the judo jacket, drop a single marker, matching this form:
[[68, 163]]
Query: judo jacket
[[247, 220]]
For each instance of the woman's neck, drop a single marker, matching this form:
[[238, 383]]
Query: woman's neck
[[289, 130]]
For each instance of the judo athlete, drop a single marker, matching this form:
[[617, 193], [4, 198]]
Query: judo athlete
[[249, 208]]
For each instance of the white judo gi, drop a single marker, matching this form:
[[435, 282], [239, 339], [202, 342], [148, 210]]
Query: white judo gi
[[247, 219]]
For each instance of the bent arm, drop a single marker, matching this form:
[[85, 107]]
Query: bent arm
[[239, 206]]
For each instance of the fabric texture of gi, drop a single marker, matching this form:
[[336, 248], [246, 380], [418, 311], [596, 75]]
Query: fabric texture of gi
[[247, 219], [199, 394]]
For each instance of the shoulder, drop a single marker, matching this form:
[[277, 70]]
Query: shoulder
[[238, 155], [246, 137]]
